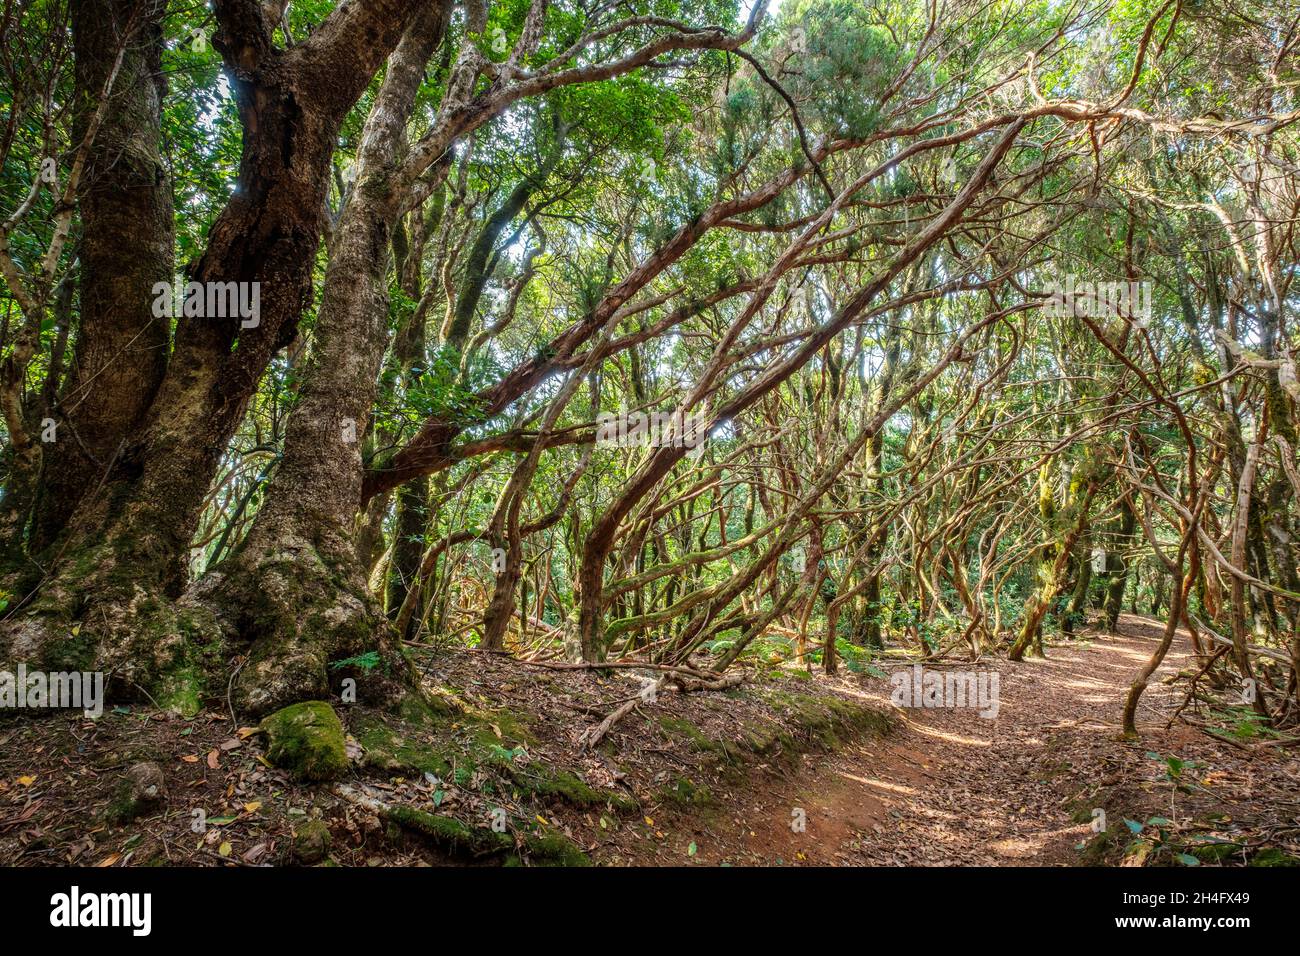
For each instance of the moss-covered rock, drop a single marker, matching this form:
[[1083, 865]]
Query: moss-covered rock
[[141, 791], [311, 842], [307, 740]]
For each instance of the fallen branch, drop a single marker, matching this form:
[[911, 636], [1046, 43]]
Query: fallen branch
[[594, 735]]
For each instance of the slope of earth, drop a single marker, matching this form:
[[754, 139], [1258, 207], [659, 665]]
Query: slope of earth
[[496, 772]]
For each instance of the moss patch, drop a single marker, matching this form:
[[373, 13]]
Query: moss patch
[[719, 750], [566, 786], [684, 792], [827, 719], [1272, 856], [392, 750], [450, 834]]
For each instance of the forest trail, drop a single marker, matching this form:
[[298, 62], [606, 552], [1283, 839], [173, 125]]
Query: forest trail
[[950, 787]]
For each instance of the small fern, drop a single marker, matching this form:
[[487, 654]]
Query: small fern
[[367, 661]]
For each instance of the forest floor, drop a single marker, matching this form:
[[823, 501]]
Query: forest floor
[[790, 769], [950, 787]]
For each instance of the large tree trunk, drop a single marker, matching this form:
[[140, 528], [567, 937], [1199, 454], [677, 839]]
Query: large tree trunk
[[125, 204], [1056, 553], [295, 590], [1118, 562], [125, 552]]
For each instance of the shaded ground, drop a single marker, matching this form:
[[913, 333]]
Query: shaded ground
[[506, 742], [788, 769]]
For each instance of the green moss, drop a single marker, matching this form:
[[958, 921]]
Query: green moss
[[121, 809], [687, 794], [181, 692], [1098, 849], [766, 740], [450, 834], [699, 740], [75, 652], [552, 849], [1215, 852], [311, 841], [1272, 856], [141, 791], [307, 740], [1081, 813], [827, 719], [390, 750], [431, 707], [501, 727], [573, 790]]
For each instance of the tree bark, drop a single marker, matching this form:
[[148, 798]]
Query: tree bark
[[295, 591], [124, 556], [125, 206]]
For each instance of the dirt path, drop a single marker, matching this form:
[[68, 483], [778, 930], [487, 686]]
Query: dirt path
[[954, 788]]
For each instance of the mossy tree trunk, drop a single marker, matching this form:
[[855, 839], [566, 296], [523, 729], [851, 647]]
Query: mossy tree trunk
[[1118, 561], [296, 592], [1056, 554], [123, 558], [125, 205]]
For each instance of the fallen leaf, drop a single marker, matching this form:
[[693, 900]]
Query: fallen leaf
[[213, 761], [253, 807], [252, 855], [109, 860], [191, 758], [26, 781], [224, 849]]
